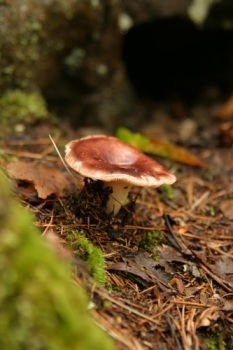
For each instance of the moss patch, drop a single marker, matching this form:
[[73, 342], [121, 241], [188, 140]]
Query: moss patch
[[40, 308], [214, 342], [87, 251], [150, 242], [17, 106]]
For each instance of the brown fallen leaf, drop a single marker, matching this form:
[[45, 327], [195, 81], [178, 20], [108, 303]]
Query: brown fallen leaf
[[46, 180], [228, 305], [226, 207], [143, 266], [224, 267], [208, 315], [179, 283], [169, 255]]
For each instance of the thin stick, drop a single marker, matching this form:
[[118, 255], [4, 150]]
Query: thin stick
[[60, 156]]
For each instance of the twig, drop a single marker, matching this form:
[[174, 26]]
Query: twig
[[59, 154], [172, 327], [25, 154], [128, 308], [174, 241], [49, 224]]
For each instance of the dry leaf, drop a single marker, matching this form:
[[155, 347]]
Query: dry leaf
[[224, 267], [228, 305], [46, 180], [179, 283], [208, 315], [143, 266], [226, 207]]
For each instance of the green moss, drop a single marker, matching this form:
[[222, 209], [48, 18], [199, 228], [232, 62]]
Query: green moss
[[214, 342], [87, 251], [40, 34], [212, 211], [22, 53], [208, 176], [17, 106], [168, 192], [40, 307], [150, 242], [8, 157], [28, 40], [75, 59]]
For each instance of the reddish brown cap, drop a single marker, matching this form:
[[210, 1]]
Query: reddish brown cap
[[109, 159]]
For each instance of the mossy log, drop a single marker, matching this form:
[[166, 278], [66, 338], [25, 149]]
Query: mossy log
[[40, 307]]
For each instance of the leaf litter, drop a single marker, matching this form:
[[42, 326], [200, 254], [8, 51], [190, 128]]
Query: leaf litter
[[46, 180], [173, 295]]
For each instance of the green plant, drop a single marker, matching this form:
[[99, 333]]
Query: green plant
[[212, 211], [214, 342], [87, 251], [150, 242], [168, 192]]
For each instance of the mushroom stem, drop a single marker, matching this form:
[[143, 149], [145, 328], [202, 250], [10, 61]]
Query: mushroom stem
[[120, 191]]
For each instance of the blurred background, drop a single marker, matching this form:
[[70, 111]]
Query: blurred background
[[111, 62]]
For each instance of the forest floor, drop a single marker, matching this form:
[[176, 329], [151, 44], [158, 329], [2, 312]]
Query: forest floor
[[169, 252]]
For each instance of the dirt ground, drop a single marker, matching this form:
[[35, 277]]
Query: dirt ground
[[169, 252]]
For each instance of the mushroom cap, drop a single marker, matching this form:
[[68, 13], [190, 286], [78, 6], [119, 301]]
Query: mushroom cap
[[108, 159]]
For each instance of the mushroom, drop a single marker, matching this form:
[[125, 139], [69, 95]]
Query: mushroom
[[117, 164]]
